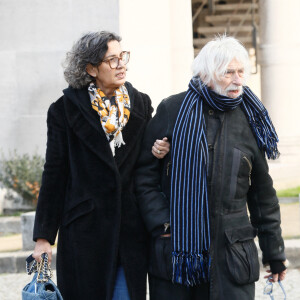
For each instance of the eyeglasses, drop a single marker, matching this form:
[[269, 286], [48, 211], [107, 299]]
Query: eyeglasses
[[229, 73], [115, 61], [268, 290]]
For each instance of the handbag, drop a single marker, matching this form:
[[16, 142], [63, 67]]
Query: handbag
[[41, 286]]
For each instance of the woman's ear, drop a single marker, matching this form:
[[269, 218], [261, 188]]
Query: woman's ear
[[91, 70]]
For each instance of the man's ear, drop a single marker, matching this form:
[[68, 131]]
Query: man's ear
[[91, 70], [211, 84]]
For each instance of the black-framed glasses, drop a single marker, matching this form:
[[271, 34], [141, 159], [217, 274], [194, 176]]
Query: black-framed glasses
[[268, 289], [115, 61]]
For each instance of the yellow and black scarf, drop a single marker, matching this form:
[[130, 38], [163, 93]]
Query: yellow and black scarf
[[114, 113]]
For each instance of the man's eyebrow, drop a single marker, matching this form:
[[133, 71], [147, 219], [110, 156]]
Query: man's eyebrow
[[239, 69]]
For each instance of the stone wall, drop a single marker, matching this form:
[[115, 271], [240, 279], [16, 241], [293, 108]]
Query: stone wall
[[35, 35]]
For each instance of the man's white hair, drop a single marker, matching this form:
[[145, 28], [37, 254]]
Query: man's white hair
[[214, 58]]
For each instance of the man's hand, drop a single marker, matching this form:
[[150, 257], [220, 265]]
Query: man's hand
[[42, 246], [275, 277], [161, 148]]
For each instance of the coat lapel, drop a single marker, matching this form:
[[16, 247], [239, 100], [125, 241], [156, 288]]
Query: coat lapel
[[86, 124], [135, 126], [131, 132]]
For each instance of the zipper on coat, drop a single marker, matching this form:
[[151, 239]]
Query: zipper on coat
[[168, 167], [250, 166]]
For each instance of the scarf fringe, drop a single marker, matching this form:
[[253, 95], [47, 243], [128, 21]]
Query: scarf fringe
[[190, 269], [119, 140], [267, 141]]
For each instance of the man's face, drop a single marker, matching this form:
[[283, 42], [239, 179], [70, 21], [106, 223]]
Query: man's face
[[230, 84]]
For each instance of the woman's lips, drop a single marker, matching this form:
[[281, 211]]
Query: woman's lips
[[121, 75]]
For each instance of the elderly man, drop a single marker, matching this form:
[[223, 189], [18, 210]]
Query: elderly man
[[194, 201]]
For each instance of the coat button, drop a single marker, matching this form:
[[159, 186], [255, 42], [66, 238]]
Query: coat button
[[210, 147], [210, 112]]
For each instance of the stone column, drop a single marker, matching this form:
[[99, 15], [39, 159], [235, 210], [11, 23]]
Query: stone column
[[35, 36], [279, 58], [159, 36]]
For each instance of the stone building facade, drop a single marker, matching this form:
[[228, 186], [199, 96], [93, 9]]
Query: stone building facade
[[35, 35]]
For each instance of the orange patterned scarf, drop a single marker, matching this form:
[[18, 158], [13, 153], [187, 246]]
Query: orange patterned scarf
[[114, 113]]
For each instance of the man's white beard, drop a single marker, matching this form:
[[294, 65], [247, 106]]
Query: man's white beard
[[217, 89]]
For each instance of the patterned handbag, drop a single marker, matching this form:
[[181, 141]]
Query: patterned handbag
[[41, 286]]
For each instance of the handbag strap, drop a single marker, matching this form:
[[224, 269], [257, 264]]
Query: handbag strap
[[42, 268], [31, 265]]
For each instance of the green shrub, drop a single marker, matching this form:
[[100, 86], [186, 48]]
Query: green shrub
[[22, 173], [292, 192]]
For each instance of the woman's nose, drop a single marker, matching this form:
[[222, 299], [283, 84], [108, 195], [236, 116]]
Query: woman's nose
[[121, 64]]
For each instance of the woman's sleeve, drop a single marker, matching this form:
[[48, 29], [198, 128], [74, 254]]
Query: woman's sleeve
[[54, 179], [148, 107], [152, 202], [265, 211]]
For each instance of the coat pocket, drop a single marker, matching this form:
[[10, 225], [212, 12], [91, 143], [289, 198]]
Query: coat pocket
[[78, 211], [161, 258], [241, 255], [241, 172]]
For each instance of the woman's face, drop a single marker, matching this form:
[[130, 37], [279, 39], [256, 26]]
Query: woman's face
[[108, 79]]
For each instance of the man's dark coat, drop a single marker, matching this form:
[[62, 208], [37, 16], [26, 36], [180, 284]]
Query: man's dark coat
[[237, 177], [87, 194]]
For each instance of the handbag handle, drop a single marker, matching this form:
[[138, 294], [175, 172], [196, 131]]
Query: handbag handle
[[42, 268]]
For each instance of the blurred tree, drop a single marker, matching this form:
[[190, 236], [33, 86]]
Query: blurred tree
[[22, 174]]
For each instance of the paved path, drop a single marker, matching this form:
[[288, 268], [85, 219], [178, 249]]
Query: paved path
[[12, 284]]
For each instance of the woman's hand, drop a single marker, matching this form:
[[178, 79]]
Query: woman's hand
[[42, 246], [161, 148]]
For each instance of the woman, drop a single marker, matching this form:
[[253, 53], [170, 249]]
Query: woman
[[94, 137]]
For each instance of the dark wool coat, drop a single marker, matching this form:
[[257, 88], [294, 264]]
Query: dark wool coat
[[87, 194], [237, 177]]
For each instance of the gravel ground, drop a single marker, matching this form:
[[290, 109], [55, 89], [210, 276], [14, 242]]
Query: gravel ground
[[11, 286]]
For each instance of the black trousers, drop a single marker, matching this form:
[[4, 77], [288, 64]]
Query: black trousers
[[161, 289]]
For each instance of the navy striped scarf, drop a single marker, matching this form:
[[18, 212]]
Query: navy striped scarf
[[189, 202]]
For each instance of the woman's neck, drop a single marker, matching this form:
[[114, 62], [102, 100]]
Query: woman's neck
[[109, 92]]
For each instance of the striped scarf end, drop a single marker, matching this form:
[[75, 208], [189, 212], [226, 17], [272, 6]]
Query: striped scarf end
[[266, 141], [190, 269], [273, 154]]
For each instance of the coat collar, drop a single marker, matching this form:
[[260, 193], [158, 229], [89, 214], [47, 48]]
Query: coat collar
[[86, 124]]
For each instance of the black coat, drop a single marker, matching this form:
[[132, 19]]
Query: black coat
[[237, 177], [88, 195]]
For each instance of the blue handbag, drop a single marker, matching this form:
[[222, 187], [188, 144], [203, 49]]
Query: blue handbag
[[41, 286]]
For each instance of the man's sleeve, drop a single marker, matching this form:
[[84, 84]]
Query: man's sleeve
[[265, 211], [152, 202]]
